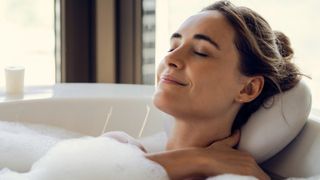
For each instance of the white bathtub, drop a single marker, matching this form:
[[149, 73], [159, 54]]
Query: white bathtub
[[84, 108]]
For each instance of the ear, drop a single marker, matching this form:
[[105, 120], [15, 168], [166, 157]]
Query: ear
[[251, 89]]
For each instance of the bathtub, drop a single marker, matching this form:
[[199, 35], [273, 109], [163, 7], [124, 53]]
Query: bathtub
[[92, 109], [85, 108]]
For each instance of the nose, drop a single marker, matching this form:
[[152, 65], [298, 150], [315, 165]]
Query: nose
[[174, 61]]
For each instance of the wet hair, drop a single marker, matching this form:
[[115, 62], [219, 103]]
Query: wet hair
[[262, 52]]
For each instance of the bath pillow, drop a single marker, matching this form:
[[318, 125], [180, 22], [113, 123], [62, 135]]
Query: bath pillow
[[269, 130]]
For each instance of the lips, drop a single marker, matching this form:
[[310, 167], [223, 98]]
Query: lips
[[172, 80]]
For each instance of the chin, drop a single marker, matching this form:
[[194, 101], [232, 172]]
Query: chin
[[163, 102], [158, 100]]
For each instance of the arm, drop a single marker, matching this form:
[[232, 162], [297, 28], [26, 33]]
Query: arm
[[218, 158], [172, 161], [180, 164]]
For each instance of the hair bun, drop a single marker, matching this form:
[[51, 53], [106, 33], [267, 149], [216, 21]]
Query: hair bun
[[289, 71], [284, 45]]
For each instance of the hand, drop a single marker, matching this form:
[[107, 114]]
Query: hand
[[124, 138], [223, 158], [218, 158]]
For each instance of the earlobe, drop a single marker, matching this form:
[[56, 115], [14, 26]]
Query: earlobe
[[251, 89]]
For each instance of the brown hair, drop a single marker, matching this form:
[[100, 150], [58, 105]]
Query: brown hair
[[262, 52]]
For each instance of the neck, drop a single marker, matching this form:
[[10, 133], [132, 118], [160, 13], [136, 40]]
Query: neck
[[195, 133]]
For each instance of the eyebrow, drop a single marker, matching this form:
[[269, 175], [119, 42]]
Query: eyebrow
[[198, 37]]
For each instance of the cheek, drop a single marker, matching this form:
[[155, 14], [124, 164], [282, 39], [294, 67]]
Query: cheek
[[215, 93]]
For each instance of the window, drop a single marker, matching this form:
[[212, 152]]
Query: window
[[297, 19], [148, 41], [27, 39]]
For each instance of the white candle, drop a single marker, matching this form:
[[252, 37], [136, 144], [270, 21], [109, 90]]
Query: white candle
[[14, 76]]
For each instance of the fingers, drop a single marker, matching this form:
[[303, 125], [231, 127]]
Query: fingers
[[136, 143], [124, 138], [232, 140], [117, 135]]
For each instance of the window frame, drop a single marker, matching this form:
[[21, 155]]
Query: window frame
[[75, 47]]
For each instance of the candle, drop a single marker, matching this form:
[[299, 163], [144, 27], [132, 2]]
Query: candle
[[14, 76]]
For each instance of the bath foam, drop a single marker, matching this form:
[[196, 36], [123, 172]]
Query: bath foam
[[232, 177], [7, 174], [22, 144], [97, 158], [18, 152], [36, 129]]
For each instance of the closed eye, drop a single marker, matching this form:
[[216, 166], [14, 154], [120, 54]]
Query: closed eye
[[170, 50], [201, 54]]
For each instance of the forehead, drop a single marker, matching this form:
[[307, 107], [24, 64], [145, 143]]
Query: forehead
[[210, 23]]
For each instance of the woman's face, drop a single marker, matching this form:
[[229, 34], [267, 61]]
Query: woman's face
[[199, 77]]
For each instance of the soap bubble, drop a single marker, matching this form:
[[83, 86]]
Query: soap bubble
[[95, 158], [23, 144], [84, 158]]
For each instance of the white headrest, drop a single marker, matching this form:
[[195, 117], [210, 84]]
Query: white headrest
[[269, 130]]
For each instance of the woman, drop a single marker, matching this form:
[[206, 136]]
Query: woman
[[223, 63]]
